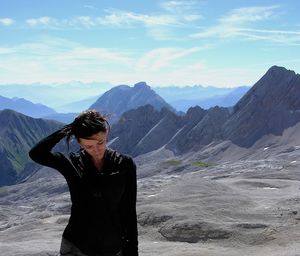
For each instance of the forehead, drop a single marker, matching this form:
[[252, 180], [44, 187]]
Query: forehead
[[95, 138]]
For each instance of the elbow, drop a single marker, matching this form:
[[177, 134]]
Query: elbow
[[33, 154]]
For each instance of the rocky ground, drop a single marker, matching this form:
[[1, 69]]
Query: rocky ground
[[186, 205]]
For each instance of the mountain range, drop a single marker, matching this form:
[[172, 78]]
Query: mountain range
[[269, 108], [25, 107], [75, 97], [225, 100], [205, 97], [55, 96]]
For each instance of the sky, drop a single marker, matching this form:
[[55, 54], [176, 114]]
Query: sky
[[226, 43]]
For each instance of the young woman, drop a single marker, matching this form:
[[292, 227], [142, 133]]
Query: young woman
[[102, 184]]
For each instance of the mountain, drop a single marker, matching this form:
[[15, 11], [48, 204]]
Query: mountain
[[135, 133], [269, 107], [123, 98], [145, 129], [228, 99], [25, 107], [77, 106], [57, 94], [62, 117], [196, 92], [18, 133]]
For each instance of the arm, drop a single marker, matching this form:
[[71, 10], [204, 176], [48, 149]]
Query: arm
[[129, 215], [41, 152]]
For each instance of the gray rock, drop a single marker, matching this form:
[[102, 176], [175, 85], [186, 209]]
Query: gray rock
[[192, 231]]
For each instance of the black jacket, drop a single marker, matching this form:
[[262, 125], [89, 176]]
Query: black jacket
[[103, 213]]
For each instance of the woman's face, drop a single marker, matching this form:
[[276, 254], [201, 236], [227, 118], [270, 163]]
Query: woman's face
[[94, 145]]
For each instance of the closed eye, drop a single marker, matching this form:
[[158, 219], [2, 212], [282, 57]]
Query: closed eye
[[100, 142]]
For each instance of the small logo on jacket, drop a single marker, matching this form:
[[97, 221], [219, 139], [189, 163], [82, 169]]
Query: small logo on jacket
[[114, 173]]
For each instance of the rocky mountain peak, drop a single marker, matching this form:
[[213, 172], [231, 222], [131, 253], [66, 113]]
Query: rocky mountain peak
[[277, 87], [277, 70], [122, 98], [269, 107], [141, 85]]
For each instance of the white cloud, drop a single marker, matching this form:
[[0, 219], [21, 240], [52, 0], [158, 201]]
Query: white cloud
[[56, 60], [121, 18], [180, 6], [86, 21], [53, 60], [160, 58], [91, 7], [240, 23], [278, 36], [183, 16], [231, 25], [97, 57], [248, 14], [42, 21], [116, 18], [7, 22]]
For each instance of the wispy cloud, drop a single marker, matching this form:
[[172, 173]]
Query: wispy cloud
[[42, 22], [158, 25], [119, 18], [277, 36], [231, 24], [55, 59], [91, 7], [160, 58], [180, 6], [115, 18], [242, 22], [7, 22], [58, 60], [82, 21], [244, 15]]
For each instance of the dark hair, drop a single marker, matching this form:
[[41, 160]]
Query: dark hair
[[88, 123]]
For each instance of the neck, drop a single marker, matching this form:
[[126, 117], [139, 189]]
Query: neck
[[98, 163]]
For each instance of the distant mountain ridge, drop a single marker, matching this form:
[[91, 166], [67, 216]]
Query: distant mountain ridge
[[55, 95], [25, 107], [196, 92], [79, 106], [123, 98]]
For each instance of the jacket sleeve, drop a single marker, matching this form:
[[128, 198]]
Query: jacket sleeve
[[130, 242], [42, 152]]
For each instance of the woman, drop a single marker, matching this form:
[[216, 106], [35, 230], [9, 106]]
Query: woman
[[102, 184]]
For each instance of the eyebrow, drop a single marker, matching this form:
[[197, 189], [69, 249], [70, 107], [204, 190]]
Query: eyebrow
[[101, 140]]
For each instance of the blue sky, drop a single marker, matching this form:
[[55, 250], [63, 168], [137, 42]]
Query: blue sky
[[209, 42]]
